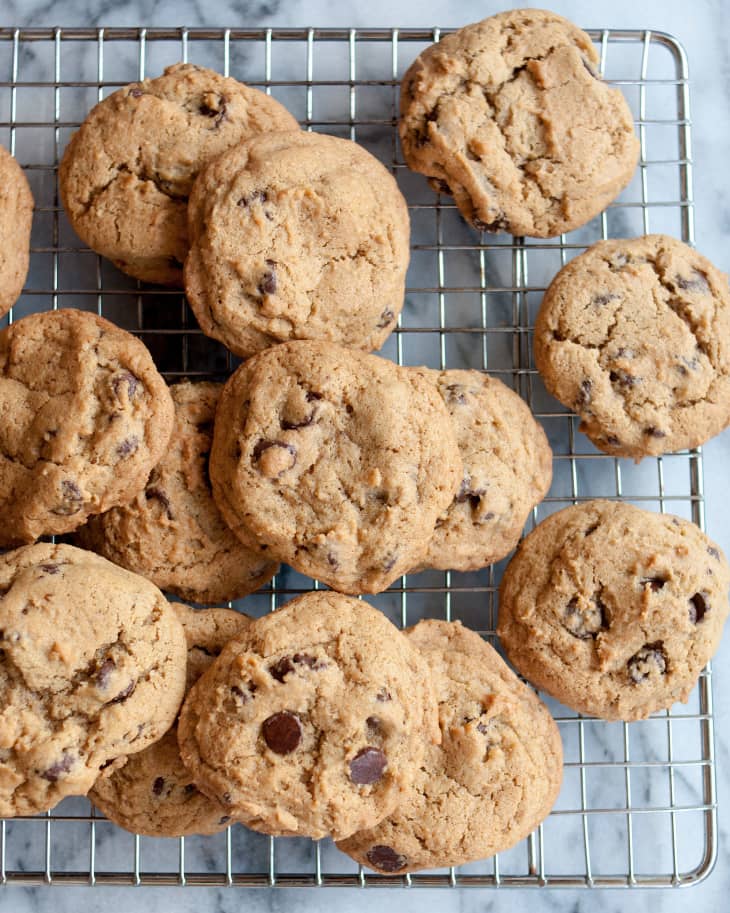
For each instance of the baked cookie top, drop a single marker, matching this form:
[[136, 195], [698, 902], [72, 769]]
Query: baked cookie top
[[634, 334], [614, 610], [507, 471], [510, 116], [338, 462], [92, 669], [297, 236], [154, 793], [493, 778], [127, 172], [312, 721], [86, 416], [16, 215], [172, 532]]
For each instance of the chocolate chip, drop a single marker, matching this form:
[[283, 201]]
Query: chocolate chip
[[213, 106], [612, 440], [485, 727], [467, 493], [368, 766], [591, 530], [383, 696], [372, 724], [125, 382], [50, 568], [262, 446], [282, 732], [601, 300], [649, 661], [63, 766], [243, 696], [128, 447], [652, 431], [655, 583], [104, 672], [304, 659], [124, 694], [332, 561], [157, 494], [158, 786], [386, 318], [256, 196], [224, 819], [389, 562], [584, 394], [455, 394], [698, 282], [189, 789], [585, 623], [622, 378], [267, 285], [386, 859], [135, 93], [711, 550], [499, 224], [281, 668], [72, 500], [440, 186], [698, 607]]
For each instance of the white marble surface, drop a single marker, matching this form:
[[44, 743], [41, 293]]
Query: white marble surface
[[702, 26]]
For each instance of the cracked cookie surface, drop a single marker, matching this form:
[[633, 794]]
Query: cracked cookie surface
[[92, 669], [614, 610], [86, 417], [154, 793], [311, 722], [172, 532], [16, 215], [507, 471], [510, 116], [493, 778], [127, 172], [297, 236], [634, 335], [336, 462]]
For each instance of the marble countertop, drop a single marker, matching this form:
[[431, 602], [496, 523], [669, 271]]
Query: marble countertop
[[702, 27]]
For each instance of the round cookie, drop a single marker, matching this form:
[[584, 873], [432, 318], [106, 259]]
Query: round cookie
[[614, 610], [507, 471], [154, 793], [127, 172], [338, 462], [493, 778], [297, 236], [92, 669], [16, 216], [510, 116], [313, 721], [85, 418], [172, 532], [634, 334]]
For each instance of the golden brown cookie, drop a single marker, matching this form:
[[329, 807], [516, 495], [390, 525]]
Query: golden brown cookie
[[127, 172], [172, 532], [614, 610], [16, 215], [510, 116]]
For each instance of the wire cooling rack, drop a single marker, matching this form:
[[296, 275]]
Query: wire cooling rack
[[637, 806]]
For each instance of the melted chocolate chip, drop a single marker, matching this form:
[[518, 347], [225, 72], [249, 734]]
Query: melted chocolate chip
[[189, 789], [372, 724], [440, 186], [158, 786], [124, 694], [224, 819], [386, 859], [135, 93], [72, 499], [585, 623], [467, 493], [214, 107], [655, 583], [649, 661], [499, 224], [54, 772], [332, 561], [267, 285], [50, 568], [651, 431], [104, 672], [601, 300], [698, 607], [389, 562], [282, 732], [242, 696], [698, 282], [281, 668], [157, 494], [622, 378], [383, 696], [128, 447], [386, 318], [591, 530], [256, 196], [263, 445], [612, 440], [584, 394], [711, 550], [125, 382], [455, 394], [368, 766]]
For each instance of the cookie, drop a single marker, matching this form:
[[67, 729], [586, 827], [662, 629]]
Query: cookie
[[154, 793], [16, 215], [338, 462], [614, 610], [92, 669], [493, 778], [297, 236], [127, 172], [510, 116], [634, 335], [85, 418], [312, 721], [507, 471], [172, 532]]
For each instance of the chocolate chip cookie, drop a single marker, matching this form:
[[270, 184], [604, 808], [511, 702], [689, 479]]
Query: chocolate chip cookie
[[297, 236], [493, 778], [16, 215], [92, 669], [336, 462], [634, 335], [127, 172], [172, 532], [507, 471], [85, 418], [154, 793], [313, 721], [511, 117], [614, 610]]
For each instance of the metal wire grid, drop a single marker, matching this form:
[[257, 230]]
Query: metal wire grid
[[638, 803]]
